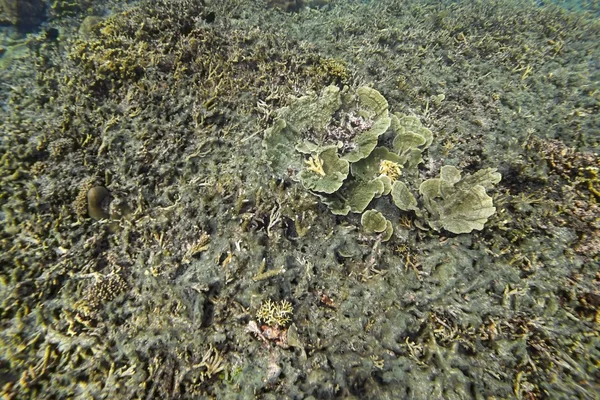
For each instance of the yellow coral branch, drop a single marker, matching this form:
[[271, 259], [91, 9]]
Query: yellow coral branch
[[390, 169], [315, 164]]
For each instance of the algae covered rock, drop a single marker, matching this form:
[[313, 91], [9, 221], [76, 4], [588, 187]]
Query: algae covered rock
[[280, 154], [459, 205], [312, 112]]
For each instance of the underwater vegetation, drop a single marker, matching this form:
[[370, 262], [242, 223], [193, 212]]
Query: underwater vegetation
[[254, 199], [325, 140]]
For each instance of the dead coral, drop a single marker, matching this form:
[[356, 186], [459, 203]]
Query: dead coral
[[212, 363], [577, 168]]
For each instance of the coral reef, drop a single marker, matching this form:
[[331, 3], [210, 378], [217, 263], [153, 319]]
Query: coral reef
[[339, 132], [166, 104]]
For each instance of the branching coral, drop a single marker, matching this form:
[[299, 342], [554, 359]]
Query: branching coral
[[275, 314]]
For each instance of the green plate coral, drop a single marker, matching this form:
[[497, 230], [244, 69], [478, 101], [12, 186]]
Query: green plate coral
[[331, 144]]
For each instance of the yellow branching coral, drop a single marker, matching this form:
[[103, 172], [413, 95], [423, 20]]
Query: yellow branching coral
[[315, 164], [390, 169], [272, 313]]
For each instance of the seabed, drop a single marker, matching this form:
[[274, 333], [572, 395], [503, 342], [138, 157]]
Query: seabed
[[172, 221]]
